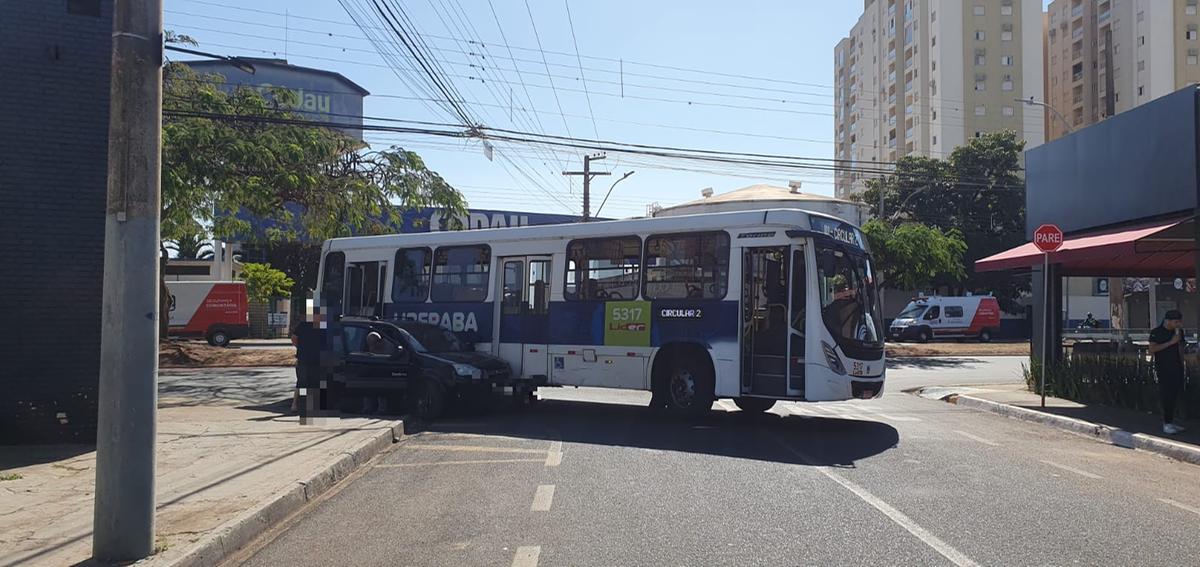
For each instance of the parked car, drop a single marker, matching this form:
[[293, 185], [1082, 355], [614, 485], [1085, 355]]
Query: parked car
[[428, 364], [927, 318]]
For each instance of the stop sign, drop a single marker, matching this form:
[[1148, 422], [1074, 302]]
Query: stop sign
[[1048, 238]]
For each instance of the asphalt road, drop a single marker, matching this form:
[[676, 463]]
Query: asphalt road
[[592, 477]]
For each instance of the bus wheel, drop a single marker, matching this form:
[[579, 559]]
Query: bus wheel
[[754, 405], [689, 386], [429, 400], [218, 338], [985, 336]]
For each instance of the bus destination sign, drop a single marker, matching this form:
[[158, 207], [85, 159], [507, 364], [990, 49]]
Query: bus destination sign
[[838, 230]]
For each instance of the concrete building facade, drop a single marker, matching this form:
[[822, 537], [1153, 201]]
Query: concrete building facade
[[921, 77], [56, 58], [1108, 56]]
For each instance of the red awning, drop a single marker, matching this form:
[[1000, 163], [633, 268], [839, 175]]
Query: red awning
[[1161, 249]]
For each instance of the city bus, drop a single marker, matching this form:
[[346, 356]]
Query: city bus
[[753, 306]]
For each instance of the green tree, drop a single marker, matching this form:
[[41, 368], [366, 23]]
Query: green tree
[[979, 191], [914, 256], [192, 246], [264, 283], [229, 153]]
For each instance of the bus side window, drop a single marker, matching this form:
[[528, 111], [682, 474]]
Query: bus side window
[[333, 284]]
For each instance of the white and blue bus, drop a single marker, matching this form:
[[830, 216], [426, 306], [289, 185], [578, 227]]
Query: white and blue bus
[[754, 306]]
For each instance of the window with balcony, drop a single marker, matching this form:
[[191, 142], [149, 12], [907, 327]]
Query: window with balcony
[[980, 86], [980, 35], [1006, 84], [980, 110], [1008, 111], [1006, 10], [979, 10], [1006, 60]]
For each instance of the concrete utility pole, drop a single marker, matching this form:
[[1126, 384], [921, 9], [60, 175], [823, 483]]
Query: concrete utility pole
[[588, 174], [124, 516]]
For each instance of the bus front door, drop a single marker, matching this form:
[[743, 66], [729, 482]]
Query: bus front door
[[523, 314], [765, 316]]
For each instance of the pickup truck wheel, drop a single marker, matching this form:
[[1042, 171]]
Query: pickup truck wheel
[[429, 400], [754, 405], [218, 338]]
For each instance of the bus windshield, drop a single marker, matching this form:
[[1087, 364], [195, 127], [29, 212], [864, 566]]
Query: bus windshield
[[849, 298]]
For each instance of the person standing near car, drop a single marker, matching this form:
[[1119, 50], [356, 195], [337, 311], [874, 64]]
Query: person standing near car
[[1166, 344], [306, 336]]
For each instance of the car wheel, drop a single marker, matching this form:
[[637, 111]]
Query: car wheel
[[754, 405], [218, 338], [429, 400], [985, 336], [689, 386]]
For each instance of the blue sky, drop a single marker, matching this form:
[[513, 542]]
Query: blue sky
[[785, 46]]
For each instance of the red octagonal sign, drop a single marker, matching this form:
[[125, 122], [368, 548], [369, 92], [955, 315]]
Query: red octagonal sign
[[1048, 238]]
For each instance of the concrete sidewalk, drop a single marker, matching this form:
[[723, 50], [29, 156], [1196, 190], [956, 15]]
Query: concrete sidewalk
[[224, 472], [1124, 427]]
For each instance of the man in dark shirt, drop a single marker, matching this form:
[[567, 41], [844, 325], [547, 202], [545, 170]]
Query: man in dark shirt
[[306, 335], [1166, 344]]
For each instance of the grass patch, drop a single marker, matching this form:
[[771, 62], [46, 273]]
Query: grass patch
[[10, 476]]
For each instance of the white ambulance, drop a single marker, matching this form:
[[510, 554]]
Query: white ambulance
[[217, 311], [928, 318]]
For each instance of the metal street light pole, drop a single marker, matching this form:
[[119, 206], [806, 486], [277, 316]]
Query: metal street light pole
[[1055, 111], [610, 189]]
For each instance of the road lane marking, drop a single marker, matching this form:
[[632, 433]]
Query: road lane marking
[[527, 556], [868, 407], [476, 449], [543, 498], [554, 455], [727, 405], [944, 549], [978, 438], [955, 556], [1179, 505], [1074, 470], [434, 463]]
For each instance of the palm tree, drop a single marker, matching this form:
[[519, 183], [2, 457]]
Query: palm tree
[[192, 246]]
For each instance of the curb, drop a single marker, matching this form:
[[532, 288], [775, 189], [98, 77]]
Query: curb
[[231, 536], [1104, 433]]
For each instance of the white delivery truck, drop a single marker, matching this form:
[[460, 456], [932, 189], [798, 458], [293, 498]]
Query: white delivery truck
[[927, 318], [217, 311]]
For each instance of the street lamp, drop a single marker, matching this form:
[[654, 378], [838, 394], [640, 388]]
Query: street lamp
[[610, 189], [1032, 102]]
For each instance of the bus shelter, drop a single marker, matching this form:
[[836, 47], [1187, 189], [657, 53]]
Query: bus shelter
[[1124, 191]]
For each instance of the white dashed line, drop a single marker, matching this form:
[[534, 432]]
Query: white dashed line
[[527, 556], [727, 405], [944, 549], [955, 556], [979, 439], [1074, 470], [554, 456], [543, 498], [1181, 506]]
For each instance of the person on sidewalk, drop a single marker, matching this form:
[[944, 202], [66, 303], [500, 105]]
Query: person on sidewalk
[[1166, 344], [306, 336]]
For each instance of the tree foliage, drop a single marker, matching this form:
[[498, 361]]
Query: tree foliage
[[216, 166], [264, 283], [914, 256], [979, 191]]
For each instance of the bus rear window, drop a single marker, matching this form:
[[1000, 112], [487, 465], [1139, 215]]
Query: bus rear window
[[460, 273], [333, 275], [687, 266], [411, 279], [603, 268]]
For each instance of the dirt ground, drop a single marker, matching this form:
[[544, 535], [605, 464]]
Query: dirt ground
[[958, 349], [197, 354]]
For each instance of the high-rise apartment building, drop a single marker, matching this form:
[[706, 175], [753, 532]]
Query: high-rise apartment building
[[1107, 56], [923, 76]]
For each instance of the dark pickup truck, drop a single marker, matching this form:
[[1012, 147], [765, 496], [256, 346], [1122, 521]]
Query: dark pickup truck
[[429, 364]]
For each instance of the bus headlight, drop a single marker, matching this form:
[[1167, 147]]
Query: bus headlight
[[466, 370], [831, 357]]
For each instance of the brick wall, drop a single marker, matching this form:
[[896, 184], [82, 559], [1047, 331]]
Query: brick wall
[[55, 57]]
